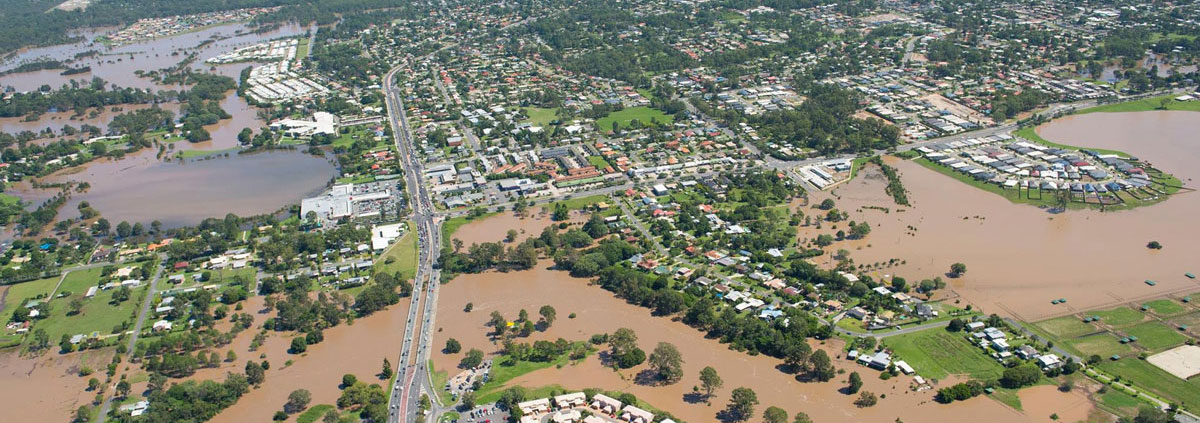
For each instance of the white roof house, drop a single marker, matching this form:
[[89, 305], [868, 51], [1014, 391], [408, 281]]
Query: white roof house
[[636, 415], [536, 406], [574, 399]]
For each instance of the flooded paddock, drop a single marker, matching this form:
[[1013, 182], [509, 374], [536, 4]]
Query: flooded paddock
[[48, 388], [141, 188], [597, 311]]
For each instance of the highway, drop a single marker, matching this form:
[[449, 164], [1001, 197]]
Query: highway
[[411, 371]]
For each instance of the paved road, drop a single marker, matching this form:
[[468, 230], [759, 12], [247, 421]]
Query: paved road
[[411, 368], [137, 329]]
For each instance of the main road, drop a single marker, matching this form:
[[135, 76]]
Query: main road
[[411, 370]]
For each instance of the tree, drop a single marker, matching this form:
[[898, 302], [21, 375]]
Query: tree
[[348, 380], [469, 307], [297, 401], [855, 383], [299, 345], [124, 229], [123, 388], [1020, 376], [667, 362], [255, 373], [956, 325], [631, 358], [548, 314], [622, 341], [386, 370], [866, 399], [774, 415], [157, 383], [452, 346], [83, 414], [93, 384], [510, 236], [76, 306], [467, 400], [710, 381], [957, 269], [1148, 414], [1154, 245], [472, 360], [821, 368], [230, 356], [801, 417], [741, 403]]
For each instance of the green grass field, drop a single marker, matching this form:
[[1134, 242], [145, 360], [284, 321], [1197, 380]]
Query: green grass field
[[9, 199], [1030, 133], [17, 293], [541, 116], [1166, 307], [936, 353], [1145, 104], [642, 114], [577, 203], [314, 413], [1146, 376], [598, 162], [439, 378], [1119, 316], [1120, 402], [1019, 196], [1156, 336], [98, 315], [1066, 327], [1102, 344], [403, 254], [193, 154], [501, 374], [78, 282]]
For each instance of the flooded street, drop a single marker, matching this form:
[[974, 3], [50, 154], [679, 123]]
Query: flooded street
[[1019, 257], [597, 311]]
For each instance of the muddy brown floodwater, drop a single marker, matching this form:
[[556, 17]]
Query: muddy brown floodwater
[[1020, 257], [597, 311], [47, 388], [140, 188], [358, 349]]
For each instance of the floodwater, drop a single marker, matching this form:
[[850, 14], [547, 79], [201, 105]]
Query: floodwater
[[357, 349], [117, 65], [598, 311], [141, 188], [48, 388], [1020, 257]]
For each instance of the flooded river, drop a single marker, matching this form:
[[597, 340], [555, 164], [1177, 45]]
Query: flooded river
[[1020, 257]]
